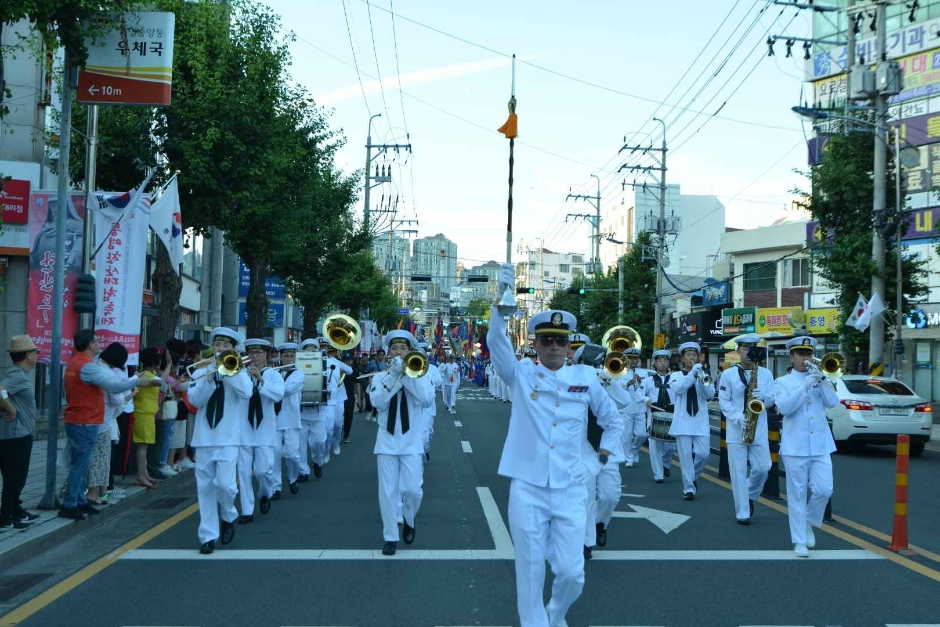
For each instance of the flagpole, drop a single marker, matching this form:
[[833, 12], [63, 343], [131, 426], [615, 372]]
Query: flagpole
[[506, 303]]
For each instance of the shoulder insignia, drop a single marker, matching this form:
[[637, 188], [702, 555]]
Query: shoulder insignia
[[723, 387]]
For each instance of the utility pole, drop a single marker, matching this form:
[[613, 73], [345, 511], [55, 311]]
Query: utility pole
[[620, 268], [595, 222], [383, 175], [87, 320], [876, 347]]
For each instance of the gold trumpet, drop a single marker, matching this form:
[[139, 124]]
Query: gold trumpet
[[620, 338], [227, 363], [831, 365], [342, 332], [414, 365]]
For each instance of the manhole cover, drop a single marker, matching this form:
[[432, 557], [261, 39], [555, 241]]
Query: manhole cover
[[12, 585], [168, 502]]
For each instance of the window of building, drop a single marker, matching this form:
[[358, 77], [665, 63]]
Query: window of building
[[577, 272], [564, 267], [760, 276], [577, 259], [192, 256], [546, 274], [796, 273]]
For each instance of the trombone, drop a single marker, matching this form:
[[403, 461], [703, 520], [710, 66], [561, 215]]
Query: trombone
[[227, 363], [342, 332], [414, 365], [831, 365]]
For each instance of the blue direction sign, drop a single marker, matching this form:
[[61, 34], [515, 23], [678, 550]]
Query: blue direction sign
[[403, 310]]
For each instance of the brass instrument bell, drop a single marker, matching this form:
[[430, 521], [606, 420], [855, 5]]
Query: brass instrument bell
[[621, 337], [342, 332]]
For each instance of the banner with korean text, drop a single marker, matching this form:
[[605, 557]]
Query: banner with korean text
[[781, 320], [42, 235], [822, 321], [121, 235]]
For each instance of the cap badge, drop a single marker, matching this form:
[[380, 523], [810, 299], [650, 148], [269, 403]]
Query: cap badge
[[556, 319]]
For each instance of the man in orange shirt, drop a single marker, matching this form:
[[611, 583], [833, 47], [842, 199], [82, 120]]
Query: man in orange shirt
[[86, 382]]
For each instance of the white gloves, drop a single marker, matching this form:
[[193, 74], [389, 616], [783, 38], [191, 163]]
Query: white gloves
[[696, 368], [395, 368], [758, 394], [507, 275], [812, 379]]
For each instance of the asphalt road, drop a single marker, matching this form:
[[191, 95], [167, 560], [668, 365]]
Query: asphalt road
[[314, 560]]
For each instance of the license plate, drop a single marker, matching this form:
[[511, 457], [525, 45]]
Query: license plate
[[893, 411]]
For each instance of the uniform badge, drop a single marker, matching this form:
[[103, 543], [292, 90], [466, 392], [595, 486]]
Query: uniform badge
[[575, 389], [556, 319], [534, 396]]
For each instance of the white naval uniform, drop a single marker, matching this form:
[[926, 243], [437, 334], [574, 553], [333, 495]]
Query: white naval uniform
[[805, 447], [399, 454], [489, 378], [634, 417], [731, 394], [660, 450], [217, 448], [335, 369], [547, 507], [604, 491], [436, 381], [258, 448], [450, 373], [288, 428], [691, 432]]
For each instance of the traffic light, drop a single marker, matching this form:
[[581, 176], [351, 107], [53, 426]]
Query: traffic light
[[426, 278], [576, 290], [525, 290], [84, 301]]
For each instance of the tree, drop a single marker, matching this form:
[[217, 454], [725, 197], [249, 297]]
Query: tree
[[841, 200], [479, 307]]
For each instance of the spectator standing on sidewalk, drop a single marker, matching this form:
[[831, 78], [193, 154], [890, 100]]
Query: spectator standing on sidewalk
[[114, 357], [146, 406], [85, 385], [17, 426]]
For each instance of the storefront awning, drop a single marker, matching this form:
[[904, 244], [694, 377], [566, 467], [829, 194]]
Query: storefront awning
[[927, 333]]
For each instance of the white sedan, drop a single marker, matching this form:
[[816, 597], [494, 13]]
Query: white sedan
[[875, 410]]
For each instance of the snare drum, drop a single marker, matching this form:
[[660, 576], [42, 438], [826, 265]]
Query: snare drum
[[313, 365], [659, 426]]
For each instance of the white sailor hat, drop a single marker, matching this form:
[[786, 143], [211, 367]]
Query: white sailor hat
[[579, 339], [632, 352], [310, 343], [288, 346], [751, 339], [227, 335], [690, 345], [578, 354], [395, 337], [802, 343], [552, 322], [254, 341], [590, 355], [661, 353]]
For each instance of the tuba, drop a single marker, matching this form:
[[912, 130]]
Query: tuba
[[342, 332], [620, 338]]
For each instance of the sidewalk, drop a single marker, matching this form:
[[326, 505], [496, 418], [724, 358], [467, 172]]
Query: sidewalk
[[50, 530]]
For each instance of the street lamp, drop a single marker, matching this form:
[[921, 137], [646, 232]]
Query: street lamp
[[909, 156]]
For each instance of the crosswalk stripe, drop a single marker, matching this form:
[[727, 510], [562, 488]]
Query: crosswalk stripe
[[466, 446], [457, 423]]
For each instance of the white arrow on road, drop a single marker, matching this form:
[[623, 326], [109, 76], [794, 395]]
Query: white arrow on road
[[666, 521], [92, 90]]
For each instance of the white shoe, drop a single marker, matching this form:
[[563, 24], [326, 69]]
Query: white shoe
[[800, 550], [166, 470], [336, 449], [187, 464], [810, 536], [326, 459]]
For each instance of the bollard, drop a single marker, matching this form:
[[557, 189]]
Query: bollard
[[899, 533], [724, 472], [772, 485]]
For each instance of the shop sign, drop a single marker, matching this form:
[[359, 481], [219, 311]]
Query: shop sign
[[739, 320], [822, 321], [783, 320], [717, 293]]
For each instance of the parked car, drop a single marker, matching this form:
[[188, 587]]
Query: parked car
[[875, 410]]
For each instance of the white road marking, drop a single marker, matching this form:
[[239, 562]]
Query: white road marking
[[494, 520], [633, 496], [666, 521], [457, 423], [466, 446], [733, 556]]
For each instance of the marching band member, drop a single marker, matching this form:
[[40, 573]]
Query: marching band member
[[288, 421], [337, 371], [803, 396], [450, 373], [490, 379], [575, 342], [437, 381], [690, 421], [315, 419], [634, 412], [660, 398], [259, 437], [733, 397], [401, 402], [222, 402], [543, 457]]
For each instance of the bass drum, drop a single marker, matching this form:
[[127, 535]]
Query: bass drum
[[660, 423], [313, 365]]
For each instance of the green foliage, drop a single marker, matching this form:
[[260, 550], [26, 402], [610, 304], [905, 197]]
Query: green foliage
[[841, 199], [479, 307]]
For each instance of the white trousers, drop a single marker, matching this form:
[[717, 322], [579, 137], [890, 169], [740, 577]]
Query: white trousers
[[809, 487], [215, 488], [261, 460], [660, 456], [450, 393], [335, 435], [747, 487], [603, 496], [289, 450], [314, 427], [634, 433], [547, 523], [400, 481], [428, 434], [692, 447]]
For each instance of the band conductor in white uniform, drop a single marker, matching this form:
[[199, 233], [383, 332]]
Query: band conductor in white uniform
[[634, 412], [450, 374], [402, 403], [733, 396], [660, 398], [222, 404], [543, 457], [288, 421], [803, 396], [690, 424]]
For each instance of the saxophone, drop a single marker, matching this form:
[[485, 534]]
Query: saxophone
[[753, 408]]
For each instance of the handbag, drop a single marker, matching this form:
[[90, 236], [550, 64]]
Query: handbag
[[170, 409]]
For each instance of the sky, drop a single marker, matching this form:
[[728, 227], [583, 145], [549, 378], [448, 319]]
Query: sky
[[588, 75]]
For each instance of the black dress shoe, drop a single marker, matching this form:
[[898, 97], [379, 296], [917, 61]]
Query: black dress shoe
[[317, 471], [408, 533], [72, 513], [264, 505], [666, 472], [303, 478], [751, 505], [427, 457], [659, 480], [587, 553], [207, 547], [9, 523], [244, 520], [276, 496], [688, 496], [601, 535], [389, 548], [88, 508], [294, 488], [695, 483], [744, 521], [228, 532]]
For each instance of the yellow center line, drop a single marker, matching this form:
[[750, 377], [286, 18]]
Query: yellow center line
[[70, 583]]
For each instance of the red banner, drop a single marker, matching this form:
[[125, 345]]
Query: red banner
[[42, 235], [15, 201]]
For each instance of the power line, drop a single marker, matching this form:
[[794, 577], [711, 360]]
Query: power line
[[398, 68], [355, 63], [378, 68]]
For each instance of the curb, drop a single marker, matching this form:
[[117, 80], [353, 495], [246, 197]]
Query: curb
[[42, 543]]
